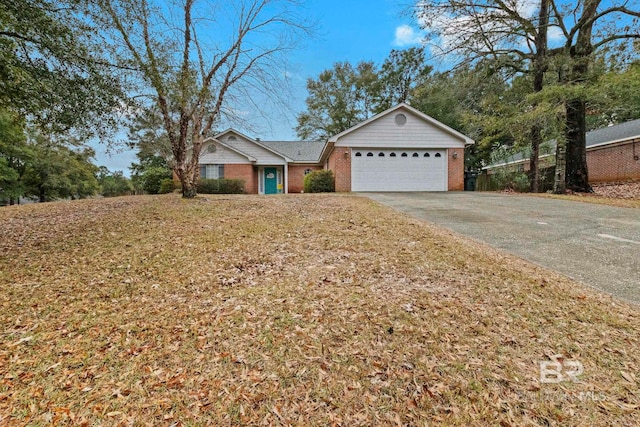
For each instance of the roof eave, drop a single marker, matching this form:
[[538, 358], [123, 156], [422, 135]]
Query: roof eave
[[249, 157], [420, 114], [617, 141], [306, 162], [286, 159]]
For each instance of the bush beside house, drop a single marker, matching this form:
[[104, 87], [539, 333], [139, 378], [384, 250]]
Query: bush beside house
[[320, 181], [221, 186]]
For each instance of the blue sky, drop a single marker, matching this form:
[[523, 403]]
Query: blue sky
[[347, 30]]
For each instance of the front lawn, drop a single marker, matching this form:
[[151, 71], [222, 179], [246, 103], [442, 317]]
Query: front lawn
[[293, 310]]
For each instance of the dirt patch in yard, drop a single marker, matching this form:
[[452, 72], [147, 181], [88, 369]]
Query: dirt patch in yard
[[294, 310]]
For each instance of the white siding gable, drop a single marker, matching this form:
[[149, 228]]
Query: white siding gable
[[221, 156], [262, 155], [385, 132]]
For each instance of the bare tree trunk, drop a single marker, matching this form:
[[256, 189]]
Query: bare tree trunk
[[576, 151], [534, 159], [539, 68], [576, 128], [189, 188], [188, 183], [559, 184]]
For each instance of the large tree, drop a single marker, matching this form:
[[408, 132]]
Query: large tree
[[14, 156], [52, 71], [515, 34], [471, 98], [192, 56], [344, 95], [400, 74], [620, 101], [509, 33], [338, 99], [148, 135], [56, 171], [597, 25]]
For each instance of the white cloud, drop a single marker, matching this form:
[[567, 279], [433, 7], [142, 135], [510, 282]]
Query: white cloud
[[556, 35], [406, 35], [450, 32], [526, 8]]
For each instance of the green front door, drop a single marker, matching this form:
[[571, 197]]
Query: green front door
[[270, 181]]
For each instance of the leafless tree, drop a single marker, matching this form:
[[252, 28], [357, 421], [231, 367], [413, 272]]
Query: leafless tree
[[196, 55]]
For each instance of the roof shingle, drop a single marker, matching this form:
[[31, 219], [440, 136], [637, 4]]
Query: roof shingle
[[298, 151]]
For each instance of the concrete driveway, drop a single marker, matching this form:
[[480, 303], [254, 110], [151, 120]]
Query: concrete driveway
[[595, 244]]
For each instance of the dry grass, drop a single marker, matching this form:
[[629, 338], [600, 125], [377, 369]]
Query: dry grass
[[294, 310], [593, 198], [620, 194]]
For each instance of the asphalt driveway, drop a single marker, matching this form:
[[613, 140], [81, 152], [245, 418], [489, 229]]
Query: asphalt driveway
[[595, 244]]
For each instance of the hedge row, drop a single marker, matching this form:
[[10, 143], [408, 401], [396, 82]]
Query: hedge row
[[220, 186]]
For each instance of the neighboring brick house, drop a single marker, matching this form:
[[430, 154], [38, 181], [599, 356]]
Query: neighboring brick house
[[400, 149], [613, 154]]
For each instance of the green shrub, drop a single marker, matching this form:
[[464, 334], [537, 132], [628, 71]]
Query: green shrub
[[320, 181], [220, 186], [152, 179], [510, 180], [167, 186]]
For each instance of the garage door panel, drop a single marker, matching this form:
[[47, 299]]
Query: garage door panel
[[389, 173]]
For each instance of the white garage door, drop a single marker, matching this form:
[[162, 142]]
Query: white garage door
[[398, 170]]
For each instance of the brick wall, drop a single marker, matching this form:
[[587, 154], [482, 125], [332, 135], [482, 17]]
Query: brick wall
[[244, 172], [296, 176], [614, 163], [340, 164], [456, 169]]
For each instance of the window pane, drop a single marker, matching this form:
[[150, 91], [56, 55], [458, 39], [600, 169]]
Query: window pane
[[212, 171]]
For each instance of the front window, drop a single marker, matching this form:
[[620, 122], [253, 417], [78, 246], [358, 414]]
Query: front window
[[212, 171]]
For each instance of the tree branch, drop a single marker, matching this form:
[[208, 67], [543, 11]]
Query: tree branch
[[615, 37]]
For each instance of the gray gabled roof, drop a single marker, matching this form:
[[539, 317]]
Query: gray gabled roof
[[254, 141], [405, 106], [298, 151], [602, 136], [614, 133]]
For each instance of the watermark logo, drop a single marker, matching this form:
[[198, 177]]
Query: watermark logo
[[558, 369]]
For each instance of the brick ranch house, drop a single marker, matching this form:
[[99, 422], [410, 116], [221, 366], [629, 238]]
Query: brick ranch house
[[400, 149], [613, 154]]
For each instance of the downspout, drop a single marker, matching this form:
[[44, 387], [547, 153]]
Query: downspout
[[286, 178]]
